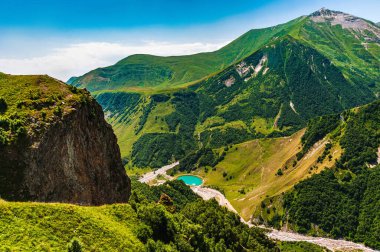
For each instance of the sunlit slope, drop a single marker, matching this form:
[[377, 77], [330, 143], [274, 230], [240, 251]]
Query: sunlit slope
[[249, 172], [351, 43], [342, 202], [273, 92], [50, 227], [152, 71]]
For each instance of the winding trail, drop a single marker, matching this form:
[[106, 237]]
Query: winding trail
[[150, 176], [208, 193]]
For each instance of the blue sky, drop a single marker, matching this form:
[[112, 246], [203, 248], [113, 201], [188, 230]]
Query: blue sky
[[66, 37]]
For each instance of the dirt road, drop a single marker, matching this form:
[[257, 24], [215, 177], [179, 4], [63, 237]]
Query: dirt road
[[148, 177], [208, 193]]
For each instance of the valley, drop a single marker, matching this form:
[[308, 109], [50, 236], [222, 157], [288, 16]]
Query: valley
[[270, 143], [208, 193]]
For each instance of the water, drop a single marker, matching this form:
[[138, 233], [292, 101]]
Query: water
[[191, 180]]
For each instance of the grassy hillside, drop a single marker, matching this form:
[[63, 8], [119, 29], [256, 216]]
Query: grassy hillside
[[38, 98], [352, 45], [355, 52], [343, 201], [266, 83], [249, 172], [161, 72], [162, 218], [50, 227], [273, 92]]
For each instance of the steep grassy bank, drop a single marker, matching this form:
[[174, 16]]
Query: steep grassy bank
[[47, 227], [343, 201], [169, 217]]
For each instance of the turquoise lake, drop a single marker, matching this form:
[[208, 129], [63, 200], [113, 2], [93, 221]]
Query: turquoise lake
[[191, 180]]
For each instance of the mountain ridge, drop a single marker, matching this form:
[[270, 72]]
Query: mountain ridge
[[164, 76]]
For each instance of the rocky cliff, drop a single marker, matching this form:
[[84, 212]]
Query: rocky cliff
[[62, 150]]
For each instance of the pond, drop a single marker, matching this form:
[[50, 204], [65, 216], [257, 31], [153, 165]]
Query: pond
[[191, 180]]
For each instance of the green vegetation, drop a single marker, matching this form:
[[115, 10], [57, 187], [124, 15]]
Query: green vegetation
[[338, 207], [46, 227], [267, 83], [317, 129], [300, 246], [212, 114], [169, 217], [342, 202], [148, 71], [28, 103], [194, 224], [246, 173], [347, 49], [361, 139]]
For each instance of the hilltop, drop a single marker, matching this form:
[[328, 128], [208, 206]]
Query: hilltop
[[52, 145]]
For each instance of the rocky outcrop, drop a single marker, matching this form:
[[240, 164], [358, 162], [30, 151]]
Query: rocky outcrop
[[348, 21], [75, 159]]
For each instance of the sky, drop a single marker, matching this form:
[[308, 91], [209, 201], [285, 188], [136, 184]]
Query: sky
[[65, 38]]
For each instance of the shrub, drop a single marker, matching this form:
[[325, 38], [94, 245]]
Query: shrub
[[279, 172], [3, 105], [74, 246]]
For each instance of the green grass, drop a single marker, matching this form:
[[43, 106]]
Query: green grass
[[300, 247], [253, 165], [50, 227], [299, 53], [148, 72], [30, 99], [345, 49], [126, 132]]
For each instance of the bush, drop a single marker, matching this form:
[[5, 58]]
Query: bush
[[3, 105], [74, 246], [279, 172], [58, 111]]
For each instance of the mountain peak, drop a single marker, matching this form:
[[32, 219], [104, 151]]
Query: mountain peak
[[347, 21], [324, 12]]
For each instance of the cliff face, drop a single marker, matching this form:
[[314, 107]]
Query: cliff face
[[74, 158]]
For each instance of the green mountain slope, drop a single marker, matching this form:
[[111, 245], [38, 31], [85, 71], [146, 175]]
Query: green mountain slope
[[152, 71], [349, 42], [343, 201], [161, 218], [273, 92], [320, 64]]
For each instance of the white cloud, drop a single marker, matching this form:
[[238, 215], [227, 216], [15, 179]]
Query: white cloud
[[77, 59]]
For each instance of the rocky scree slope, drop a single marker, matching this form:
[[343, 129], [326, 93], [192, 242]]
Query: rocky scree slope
[[55, 145]]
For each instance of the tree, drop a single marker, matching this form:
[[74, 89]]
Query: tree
[[279, 172], [3, 105], [74, 246]]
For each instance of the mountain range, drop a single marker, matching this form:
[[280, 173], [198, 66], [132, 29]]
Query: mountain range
[[224, 113], [268, 82], [284, 122]]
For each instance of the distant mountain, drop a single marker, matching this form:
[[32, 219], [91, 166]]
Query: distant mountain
[[151, 71], [349, 42], [321, 64]]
